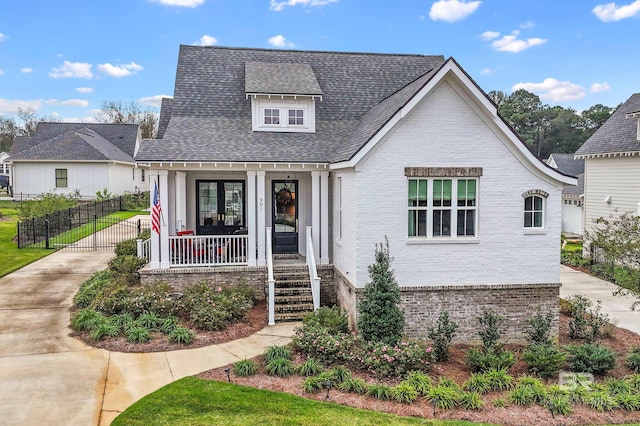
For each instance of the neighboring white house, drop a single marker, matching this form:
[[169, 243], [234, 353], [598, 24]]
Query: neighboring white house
[[360, 148], [5, 165], [612, 164], [572, 195], [83, 158]]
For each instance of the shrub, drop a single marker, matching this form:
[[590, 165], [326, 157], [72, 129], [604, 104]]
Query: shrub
[[281, 367], [559, 404], [245, 368], [124, 320], [633, 359], [634, 382], [274, 352], [138, 334], [333, 319], [471, 401], [491, 330], [499, 403], [86, 319], [127, 248], [481, 360], [404, 393], [536, 386], [538, 329], [181, 335], [105, 328], [323, 345], [521, 395], [628, 401], [125, 269], [149, 320], [149, 298], [590, 358], [313, 384], [442, 335], [499, 379], [617, 386], [356, 385], [310, 367], [112, 298], [168, 325], [420, 382], [340, 374], [443, 397], [543, 360], [601, 401], [386, 360], [211, 309], [379, 390], [90, 289], [380, 317], [586, 322], [478, 383]]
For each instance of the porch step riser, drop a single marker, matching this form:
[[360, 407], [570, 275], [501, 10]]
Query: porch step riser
[[292, 291], [300, 308], [291, 277], [289, 317], [293, 299]]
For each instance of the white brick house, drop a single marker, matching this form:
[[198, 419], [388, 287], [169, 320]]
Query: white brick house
[[358, 147]]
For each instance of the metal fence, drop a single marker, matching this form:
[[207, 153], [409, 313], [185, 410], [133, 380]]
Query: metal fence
[[66, 227]]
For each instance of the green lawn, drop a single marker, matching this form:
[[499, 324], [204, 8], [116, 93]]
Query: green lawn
[[193, 401], [14, 258]]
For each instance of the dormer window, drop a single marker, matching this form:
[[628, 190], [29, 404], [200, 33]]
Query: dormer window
[[635, 115], [283, 96]]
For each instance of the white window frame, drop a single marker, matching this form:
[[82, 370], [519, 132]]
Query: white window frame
[[533, 211], [430, 208], [66, 178], [260, 104]]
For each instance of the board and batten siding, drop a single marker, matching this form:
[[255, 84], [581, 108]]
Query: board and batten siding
[[38, 178], [444, 130], [615, 177]]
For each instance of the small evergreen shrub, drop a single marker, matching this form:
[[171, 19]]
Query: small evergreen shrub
[[628, 401], [104, 329], [491, 330], [352, 385], [477, 383], [482, 360], [244, 368], [590, 358], [543, 360], [379, 390], [601, 401], [313, 384], [443, 397], [138, 334], [404, 393], [332, 319], [499, 403], [471, 401], [559, 404], [181, 335], [538, 329], [281, 367], [126, 248], [442, 335], [125, 269], [536, 386], [499, 379], [168, 324], [274, 352], [586, 322], [149, 320], [396, 360], [617, 386], [310, 367], [90, 289], [634, 382], [323, 345], [521, 395], [420, 382], [633, 359], [341, 373], [86, 319], [380, 318]]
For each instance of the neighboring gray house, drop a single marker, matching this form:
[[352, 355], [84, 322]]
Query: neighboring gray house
[[571, 194], [320, 156], [612, 164], [78, 157]]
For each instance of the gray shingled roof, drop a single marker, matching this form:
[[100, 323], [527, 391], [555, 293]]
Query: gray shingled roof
[[278, 78], [617, 134], [577, 189], [123, 136], [211, 117], [165, 115], [52, 142], [568, 164]]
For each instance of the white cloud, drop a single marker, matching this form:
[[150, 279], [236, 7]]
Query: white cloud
[[486, 71], [611, 12], [8, 106], [527, 25], [280, 41], [279, 5], [452, 10], [153, 101], [119, 70], [84, 90], [72, 70], [26, 70], [2, 37], [554, 90], [599, 87], [1, 72], [489, 35], [511, 43], [74, 103], [207, 40], [181, 3]]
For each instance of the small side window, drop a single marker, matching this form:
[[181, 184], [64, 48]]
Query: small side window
[[61, 178], [534, 212]]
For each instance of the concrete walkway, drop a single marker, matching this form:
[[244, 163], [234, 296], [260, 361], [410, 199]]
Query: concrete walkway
[[618, 307], [49, 378]]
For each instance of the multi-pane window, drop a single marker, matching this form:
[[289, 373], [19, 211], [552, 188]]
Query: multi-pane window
[[272, 116], [296, 117], [142, 175], [432, 212], [61, 178], [534, 211]]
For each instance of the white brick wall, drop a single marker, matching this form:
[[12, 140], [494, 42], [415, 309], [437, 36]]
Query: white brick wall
[[444, 131]]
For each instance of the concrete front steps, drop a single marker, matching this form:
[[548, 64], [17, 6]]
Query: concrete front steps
[[293, 297]]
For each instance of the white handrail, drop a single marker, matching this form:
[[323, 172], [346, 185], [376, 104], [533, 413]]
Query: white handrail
[[270, 280], [313, 271]]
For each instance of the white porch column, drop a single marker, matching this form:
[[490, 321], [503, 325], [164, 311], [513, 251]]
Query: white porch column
[[315, 213], [251, 217], [164, 219], [181, 201], [262, 214], [324, 218], [154, 261]]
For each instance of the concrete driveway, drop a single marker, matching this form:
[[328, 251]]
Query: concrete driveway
[[49, 378]]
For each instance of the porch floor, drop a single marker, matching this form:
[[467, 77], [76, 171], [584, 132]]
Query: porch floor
[[282, 260]]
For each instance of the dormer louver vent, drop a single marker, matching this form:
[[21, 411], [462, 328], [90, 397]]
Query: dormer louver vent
[[636, 115]]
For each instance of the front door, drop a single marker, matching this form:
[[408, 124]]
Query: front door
[[220, 207], [285, 216]]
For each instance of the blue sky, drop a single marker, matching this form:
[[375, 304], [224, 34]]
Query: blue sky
[[64, 58]]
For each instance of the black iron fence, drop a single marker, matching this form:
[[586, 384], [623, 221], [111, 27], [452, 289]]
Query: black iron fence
[[66, 227]]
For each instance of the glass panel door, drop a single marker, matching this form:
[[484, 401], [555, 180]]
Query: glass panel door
[[220, 207], [285, 216]]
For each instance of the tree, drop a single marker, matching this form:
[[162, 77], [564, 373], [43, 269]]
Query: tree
[[526, 114], [117, 112], [9, 130], [594, 117], [498, 97], [380, 317]]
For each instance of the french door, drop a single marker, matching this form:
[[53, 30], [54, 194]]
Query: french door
[[220, 207], [285, 216]]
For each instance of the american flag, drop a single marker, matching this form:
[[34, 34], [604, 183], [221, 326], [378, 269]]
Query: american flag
[[155, 211]]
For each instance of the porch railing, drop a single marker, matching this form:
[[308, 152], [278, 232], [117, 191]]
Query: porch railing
[[144, 249], [207, 250], [313, 271], [270, 280]]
